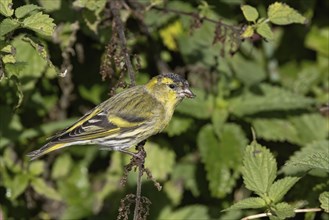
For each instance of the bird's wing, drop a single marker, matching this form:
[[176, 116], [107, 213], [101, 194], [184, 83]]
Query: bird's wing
[[112, 116]]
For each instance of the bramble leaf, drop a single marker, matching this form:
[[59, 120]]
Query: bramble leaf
[[8, 25], [264, 30], [249, 12], [280, 187], [6, 7], [248, 203], [282, 14], [259, 169], [24, 10], [40, 23]]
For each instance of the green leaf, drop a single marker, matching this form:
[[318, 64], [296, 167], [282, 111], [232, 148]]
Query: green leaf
[[92, 12], [248, 32], [318, 39], [249, 12], [299, 129], [36, 167], [248, 203], [75, 189], [178, 125], [281, 187], [264, 30], [218, 119], [161, 166], [308, 158], [310, 127], [62, 166], [274, 129], [6, 7], [92, 94], [272, 98], [24, 10], [8, 48], [174, 191], [18, 186], [324, 200], [50, 6], [8, 59], [185, 173], [32, 65], [187, 212], [283, 210], [41, 187], [40, 49], [48, 128], [8, 25], [200, 107], [249, 72], [40, 23], [222, 158], [300, 78], [259, 169], [315, 161], [282, 14]]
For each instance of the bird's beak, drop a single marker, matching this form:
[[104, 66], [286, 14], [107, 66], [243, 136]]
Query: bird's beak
[[188, 93]]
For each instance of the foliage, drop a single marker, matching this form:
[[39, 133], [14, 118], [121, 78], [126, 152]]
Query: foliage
[[59, 58], [259, 172]]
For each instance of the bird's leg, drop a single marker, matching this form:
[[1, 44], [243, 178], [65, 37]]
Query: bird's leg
[[140, 154]]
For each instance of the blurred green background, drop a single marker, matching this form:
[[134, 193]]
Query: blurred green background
[[278, 87]]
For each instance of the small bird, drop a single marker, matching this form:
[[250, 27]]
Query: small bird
[[126, 119]]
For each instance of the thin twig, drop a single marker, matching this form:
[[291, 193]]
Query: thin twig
[[115, 6], [141, 154], [195, 15], [261, 215], [138, 191]]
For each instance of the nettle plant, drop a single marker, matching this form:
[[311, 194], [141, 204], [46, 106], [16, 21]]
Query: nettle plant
[[260, 175], [277, 13], [16, 50]]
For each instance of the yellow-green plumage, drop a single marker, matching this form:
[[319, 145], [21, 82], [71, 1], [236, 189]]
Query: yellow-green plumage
[[125, 119]]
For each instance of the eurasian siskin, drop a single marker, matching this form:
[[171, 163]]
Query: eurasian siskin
[[125, 119]]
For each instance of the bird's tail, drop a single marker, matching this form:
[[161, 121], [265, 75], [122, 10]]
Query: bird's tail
[[49, 147]]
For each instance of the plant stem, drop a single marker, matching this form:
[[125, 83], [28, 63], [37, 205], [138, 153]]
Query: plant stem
[[261, 215], [115, 6]]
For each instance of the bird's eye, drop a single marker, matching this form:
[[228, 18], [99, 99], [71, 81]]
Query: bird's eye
[[172, 86]]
